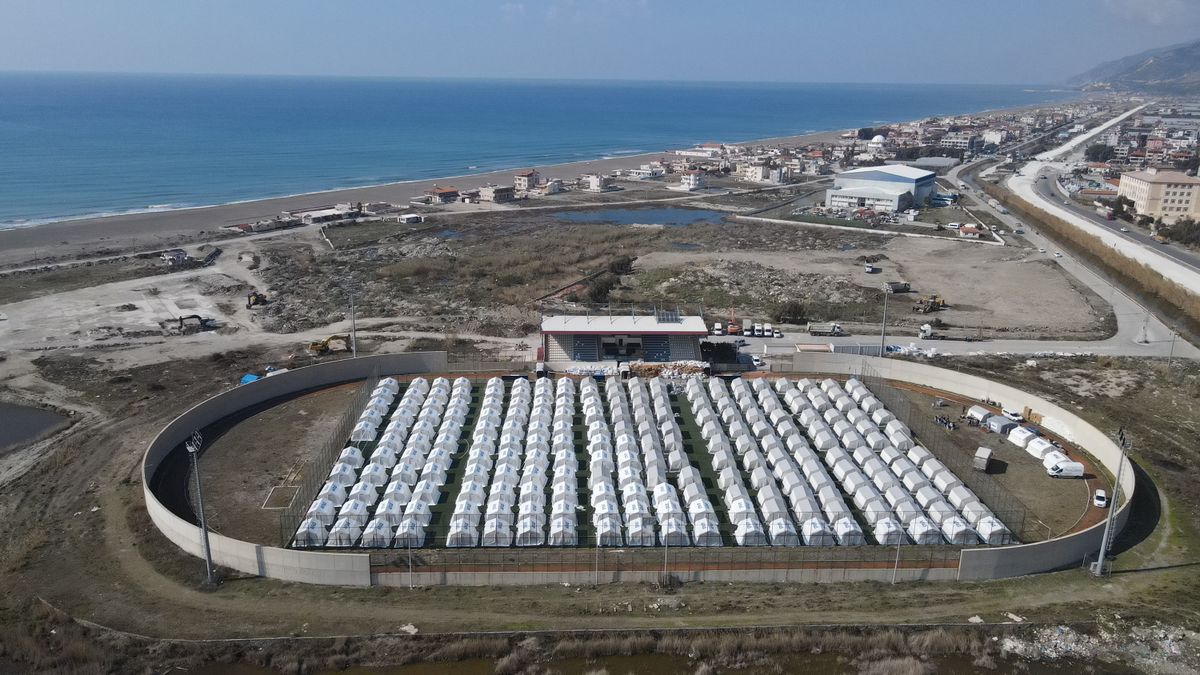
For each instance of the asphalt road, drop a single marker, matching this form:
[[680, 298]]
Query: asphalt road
[[1049, 190]]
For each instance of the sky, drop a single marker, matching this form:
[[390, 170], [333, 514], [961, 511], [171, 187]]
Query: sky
[[918, 41]]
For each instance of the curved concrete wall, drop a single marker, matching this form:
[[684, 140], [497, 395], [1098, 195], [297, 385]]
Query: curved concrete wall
[[354, 568], [1004, 561], [345, 569]]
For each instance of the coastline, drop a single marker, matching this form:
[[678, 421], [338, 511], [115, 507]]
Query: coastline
[[154, 229]]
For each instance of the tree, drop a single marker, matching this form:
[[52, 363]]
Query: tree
[[1189, 166], [621, 265], [1099, 153], [791, 311], [866, 133], [601, 286], [1123, 207]]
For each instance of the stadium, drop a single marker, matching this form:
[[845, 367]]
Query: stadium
[[827, 468]]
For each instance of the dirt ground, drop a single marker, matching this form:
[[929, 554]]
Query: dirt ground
[[986, 287], [257, 454]]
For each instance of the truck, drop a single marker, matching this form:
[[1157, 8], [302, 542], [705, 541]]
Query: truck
[[747, 330], [758, 330], [825, 329], [898, 287], [768, 330]]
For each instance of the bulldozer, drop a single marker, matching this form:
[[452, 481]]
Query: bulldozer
[[324, 346], [930, 304], [255, 299]]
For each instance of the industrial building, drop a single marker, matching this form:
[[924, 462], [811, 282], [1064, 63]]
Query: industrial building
[[663, 336], [882, 188]]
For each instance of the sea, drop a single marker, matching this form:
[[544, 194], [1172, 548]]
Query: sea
[[81, 145]]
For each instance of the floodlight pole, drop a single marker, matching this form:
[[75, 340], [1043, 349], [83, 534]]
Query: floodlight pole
[[896, 567], [193, 447], [353, 332], [1171, 355], [408, 545], [1105, 541]]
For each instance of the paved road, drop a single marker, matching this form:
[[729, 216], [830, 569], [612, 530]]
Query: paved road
[[1051, 191]]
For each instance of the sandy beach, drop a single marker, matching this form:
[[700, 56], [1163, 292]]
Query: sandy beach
[[147, 231]]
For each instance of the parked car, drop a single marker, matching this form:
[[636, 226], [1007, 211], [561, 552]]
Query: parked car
[[1124, 229], [1013, 415], [778, 333], [742, 343], [758, 363], [1100, 499]]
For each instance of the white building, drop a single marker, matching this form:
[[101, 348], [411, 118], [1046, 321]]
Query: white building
[[755, 173], [882, 188], [594, 182], [525, 181], [691, 180]]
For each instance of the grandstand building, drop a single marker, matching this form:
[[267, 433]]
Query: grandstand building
[[663, 336]]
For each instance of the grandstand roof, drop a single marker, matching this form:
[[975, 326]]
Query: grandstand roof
[[623, 325]]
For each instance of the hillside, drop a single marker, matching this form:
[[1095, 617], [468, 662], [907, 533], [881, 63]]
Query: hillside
[[1169, 70]]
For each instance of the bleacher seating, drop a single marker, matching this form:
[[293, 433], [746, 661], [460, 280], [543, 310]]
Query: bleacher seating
[[656, 348], [585, 348], [684, 348]]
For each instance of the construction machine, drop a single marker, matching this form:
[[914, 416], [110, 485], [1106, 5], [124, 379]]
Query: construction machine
[[324, 346], [930, 304], [254, 299], [734, 327], [202, 323]]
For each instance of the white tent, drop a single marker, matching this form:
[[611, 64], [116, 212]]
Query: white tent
[[848, 532], [993, 532], [384, 456], [673, 531], [1039, 447], [531, 530], [957, 532], [816, 532], [640, 531], [960, 496], [311, 533], [978, 412], [377, 534], [923, 532], [974, 513], [364, 431], [390, 512], [344, 533], [333, 492], [343, 474], [705, 532], [323, 511], [783, 533], [366, 493], [352, 456], [907, 511], [417, 511], [749, 532], [1020, 436], [562, 531], [887, 532], [497, 531], [375, 474], [608, 531], [882, 416], [409, 534], [927, 495], [945, 481], [939, 512], [355, 511]]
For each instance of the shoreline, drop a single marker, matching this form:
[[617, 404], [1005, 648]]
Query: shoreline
[[162, 228]]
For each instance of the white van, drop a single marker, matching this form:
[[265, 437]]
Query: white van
[[758, 330], [1066, 470], [768, 330], [718, 329]]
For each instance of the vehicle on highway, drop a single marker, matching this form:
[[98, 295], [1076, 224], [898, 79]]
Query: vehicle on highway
[[1066, 203], [741, 343], [758, 363], [1058, 254], [1041, 250], [1100, 499], [1124, 229]]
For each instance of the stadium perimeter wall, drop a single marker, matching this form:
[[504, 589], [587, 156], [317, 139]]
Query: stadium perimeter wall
[[354, 569]]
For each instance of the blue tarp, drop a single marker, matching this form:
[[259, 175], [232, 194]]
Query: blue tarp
[[248, 378]]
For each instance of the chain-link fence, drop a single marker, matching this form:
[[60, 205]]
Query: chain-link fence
[[312, 474], [927, 431]]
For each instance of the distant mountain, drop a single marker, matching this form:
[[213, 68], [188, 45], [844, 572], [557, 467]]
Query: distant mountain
[[1167, 70]]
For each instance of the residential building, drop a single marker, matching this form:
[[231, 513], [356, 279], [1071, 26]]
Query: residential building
[[524, 181], [442, 195], [552, 186], [497, 193], [882, 188], [959, 140], [755, 173], [594, 182], [1170, 195], [691, 180]]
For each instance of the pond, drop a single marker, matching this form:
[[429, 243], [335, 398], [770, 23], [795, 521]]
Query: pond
[[21, 424], [671, 216]]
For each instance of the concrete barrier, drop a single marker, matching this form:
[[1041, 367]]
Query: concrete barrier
[[345, 569], [354, 569]]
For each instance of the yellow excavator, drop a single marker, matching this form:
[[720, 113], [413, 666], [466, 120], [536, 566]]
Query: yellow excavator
[[254, 299], [931, 304], [325, 346]]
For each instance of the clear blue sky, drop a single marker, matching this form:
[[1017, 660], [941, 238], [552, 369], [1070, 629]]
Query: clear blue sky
[[972, 41]]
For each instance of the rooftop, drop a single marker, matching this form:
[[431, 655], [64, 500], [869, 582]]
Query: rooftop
[[1156, 176], [623, 325], [893, 169]]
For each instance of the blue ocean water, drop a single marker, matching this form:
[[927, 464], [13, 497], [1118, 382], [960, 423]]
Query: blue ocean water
[[73, 145]]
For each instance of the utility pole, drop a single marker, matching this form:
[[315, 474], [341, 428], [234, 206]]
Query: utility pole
[[883, 328], [1098, 567], [193, 446], [353, 331], [1171, 356]]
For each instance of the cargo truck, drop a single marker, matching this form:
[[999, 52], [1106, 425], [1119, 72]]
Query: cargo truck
[[825, 329]]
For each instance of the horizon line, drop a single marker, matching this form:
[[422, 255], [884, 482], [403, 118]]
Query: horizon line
[[467, 78]]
